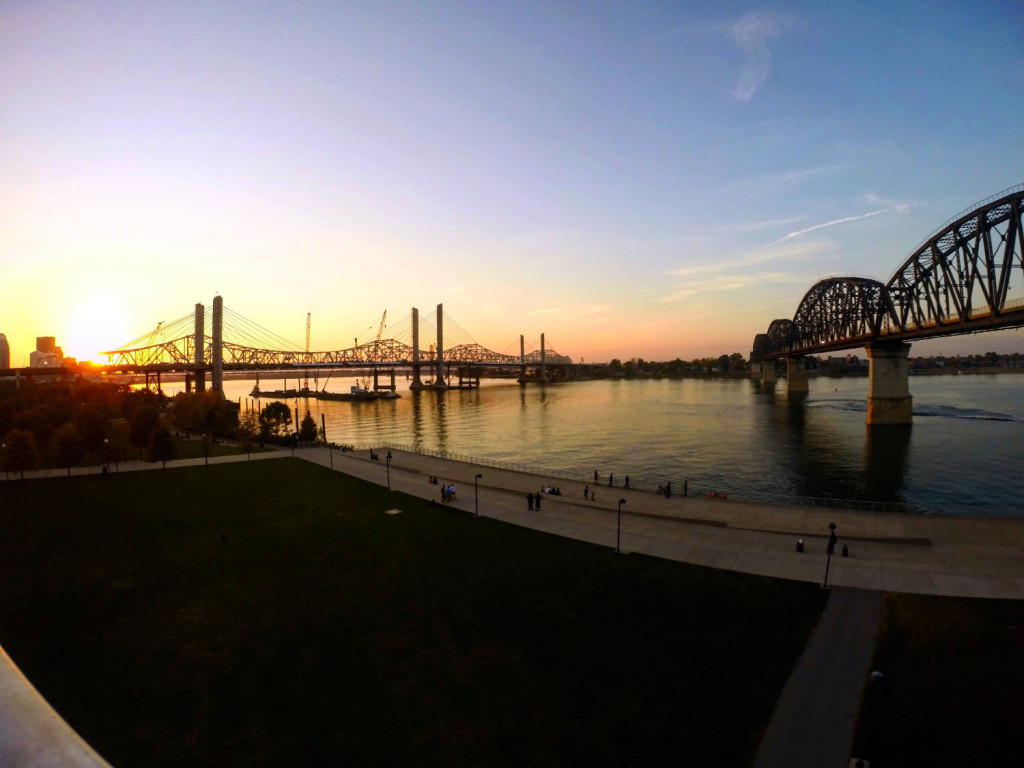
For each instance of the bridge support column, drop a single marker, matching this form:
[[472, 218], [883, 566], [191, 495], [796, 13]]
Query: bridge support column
[[796, 375], [199, 347], [542, 375], [417, 383], [522, 359], [889, 399], [218, 344], [755, 369], [439, 382], [768, 374]]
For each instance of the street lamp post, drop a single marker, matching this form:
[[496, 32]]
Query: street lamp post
[[387, 461], [618, 531], [476, 495], [106, 456], [832, 539], [3, 457]]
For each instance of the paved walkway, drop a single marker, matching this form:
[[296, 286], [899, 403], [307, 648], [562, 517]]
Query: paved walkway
[[813, 723], [963, 556], [972, 557]]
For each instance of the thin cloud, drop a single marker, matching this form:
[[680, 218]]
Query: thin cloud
[[752, 33], [777, 251], [845, 220]]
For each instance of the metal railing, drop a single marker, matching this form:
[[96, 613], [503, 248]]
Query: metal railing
[[860, 505]]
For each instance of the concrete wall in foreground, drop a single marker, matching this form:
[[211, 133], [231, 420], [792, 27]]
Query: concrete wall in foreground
[[32, 734]]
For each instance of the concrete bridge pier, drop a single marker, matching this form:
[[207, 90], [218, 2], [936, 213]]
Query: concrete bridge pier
[[218, 343], [439, 382], [768, 373], [755, 369], [889, 399], [417, 383], [796, 375], [542, 376], [522, 359], [199, 348]]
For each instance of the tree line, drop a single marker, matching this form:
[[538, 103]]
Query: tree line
[[68, 423]]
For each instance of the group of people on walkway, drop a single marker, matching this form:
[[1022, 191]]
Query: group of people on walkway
[[447, 491]]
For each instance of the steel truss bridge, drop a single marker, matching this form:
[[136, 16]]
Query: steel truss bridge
[[239, 344], [960, 280]]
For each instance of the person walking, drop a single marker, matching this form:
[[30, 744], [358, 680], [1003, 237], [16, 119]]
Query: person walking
[[595, 476], [668, 490], [529, 500], [611, 479], [586, 492], [686, 487], [627, 482], [536, 502]]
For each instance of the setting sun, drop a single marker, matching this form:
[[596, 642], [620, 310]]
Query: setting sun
[[99, 323]]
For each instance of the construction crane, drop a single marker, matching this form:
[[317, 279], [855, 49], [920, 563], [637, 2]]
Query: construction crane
[[380, 331]]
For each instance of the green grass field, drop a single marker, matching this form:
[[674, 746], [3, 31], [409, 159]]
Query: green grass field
[[270, 614], [953, 692]]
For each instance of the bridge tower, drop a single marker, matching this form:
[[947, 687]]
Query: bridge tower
[[217, 352], [796, 375], [889, 398], [542, 375], [200, 348], [439, 382], [417, 383]]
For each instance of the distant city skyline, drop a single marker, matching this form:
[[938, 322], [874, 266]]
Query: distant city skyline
[[633, 180]]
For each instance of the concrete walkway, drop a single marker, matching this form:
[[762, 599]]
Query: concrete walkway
[[971, 557], [962, 556], [813, 722]]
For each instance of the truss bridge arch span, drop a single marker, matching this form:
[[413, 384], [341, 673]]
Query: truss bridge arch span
[[967, 277], [840, 311]]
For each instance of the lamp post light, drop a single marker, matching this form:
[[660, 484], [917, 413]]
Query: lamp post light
[[476, 495], [387, 461], [618, 532], [832, 539]]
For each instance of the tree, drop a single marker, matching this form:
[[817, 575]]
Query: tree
[[67, 446], [248, 430], [276, 418], [142, 421], [161, 445], [723, 363], [20, 452], [307, 429]]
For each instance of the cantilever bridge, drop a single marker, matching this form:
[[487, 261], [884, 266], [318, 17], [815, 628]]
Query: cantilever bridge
[[967, 277], [184, 346]]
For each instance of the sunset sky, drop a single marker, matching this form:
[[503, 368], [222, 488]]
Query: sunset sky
[[634, 179]]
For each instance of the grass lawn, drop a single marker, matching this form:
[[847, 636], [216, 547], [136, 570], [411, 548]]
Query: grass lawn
[[193, 449], [953, 692], [270, 614]]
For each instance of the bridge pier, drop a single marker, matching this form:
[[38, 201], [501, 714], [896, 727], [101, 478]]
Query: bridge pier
[[796, 375], [889, 399], [439, 382], [542, 375], [199, 348], [417, 382], [755, 369], [218, 343], [768, 373]]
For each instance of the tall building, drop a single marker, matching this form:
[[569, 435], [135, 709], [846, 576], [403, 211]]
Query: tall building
[[5, 352], [47, 354]]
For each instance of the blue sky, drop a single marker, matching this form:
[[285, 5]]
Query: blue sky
[[634, 179]]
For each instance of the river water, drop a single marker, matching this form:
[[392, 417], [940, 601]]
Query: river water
[[964, 454]]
